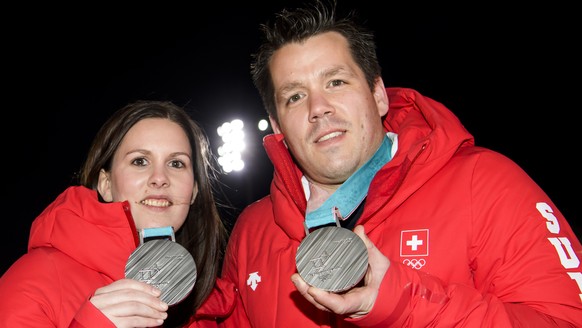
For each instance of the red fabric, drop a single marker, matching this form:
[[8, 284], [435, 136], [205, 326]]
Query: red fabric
[[219, 304], [76, 245], [488, 235]]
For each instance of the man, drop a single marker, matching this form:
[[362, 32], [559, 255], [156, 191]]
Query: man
[[453, 234]]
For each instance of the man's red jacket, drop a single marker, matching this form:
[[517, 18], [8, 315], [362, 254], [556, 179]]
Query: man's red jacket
[[472, 240]]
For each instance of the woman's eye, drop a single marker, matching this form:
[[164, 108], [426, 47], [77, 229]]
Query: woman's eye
[[140, 161], [177, 164]]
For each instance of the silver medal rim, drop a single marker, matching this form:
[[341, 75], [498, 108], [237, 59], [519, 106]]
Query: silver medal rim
[[166, 265], [334, 259]]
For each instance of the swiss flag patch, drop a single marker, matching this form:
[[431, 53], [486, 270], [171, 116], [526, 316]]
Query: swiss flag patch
[[414, 242]]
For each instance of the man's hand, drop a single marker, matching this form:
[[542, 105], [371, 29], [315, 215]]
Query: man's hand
[[358, 301]]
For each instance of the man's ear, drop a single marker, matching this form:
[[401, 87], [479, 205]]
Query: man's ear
[[274, 125], [380, 97], [104, 186]]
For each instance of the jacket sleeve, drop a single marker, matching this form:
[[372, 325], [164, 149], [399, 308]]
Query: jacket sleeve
[[30, 299], [524, 257], [238, 317], [90, 317], [218, 305], [22, 303]]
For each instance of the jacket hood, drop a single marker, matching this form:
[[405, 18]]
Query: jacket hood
[[429, 134], [76, 223]]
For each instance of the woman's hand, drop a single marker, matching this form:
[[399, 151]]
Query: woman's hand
[[131, 303]]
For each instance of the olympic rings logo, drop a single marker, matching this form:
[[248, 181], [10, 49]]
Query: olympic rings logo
[[414, 263]]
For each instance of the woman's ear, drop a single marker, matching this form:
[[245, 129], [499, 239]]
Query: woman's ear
[[194, 193], [104, 186]]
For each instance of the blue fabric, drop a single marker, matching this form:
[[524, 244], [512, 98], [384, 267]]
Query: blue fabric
[[352, 192]]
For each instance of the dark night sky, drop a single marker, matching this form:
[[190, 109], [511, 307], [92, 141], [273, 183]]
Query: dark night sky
[[506, 73]]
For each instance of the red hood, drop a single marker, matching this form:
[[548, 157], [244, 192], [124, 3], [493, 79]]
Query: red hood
[[76, 223], [432, 135]]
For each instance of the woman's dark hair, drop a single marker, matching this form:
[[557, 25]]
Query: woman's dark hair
[[203, 232], [296, 26]]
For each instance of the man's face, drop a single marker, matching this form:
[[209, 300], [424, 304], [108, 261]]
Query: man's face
[[330, 118]]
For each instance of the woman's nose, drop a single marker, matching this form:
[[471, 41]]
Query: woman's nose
[[159, 178]]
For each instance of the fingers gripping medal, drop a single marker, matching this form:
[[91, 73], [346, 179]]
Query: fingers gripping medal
[[334, 259], [163, 263]]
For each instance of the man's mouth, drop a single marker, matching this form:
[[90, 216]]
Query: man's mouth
[[329, 136]]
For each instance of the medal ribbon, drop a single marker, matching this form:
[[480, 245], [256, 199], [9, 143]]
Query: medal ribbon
[[353, 191], [149, 233]]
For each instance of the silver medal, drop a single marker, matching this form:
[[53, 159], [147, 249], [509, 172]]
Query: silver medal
[[166, 265], [332, 258]]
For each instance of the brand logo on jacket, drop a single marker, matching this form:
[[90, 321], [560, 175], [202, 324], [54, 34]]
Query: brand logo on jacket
[[254, 280], [414, 243]]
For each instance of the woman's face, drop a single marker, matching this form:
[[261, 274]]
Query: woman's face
[[152, 170]]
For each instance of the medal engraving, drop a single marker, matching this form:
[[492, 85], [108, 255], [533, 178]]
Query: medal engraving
[[332, 258], [166, 265]]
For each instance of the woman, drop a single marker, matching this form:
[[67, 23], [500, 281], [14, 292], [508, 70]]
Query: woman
[[148, 167]]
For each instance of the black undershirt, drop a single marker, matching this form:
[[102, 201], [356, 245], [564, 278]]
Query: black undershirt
[[350, 221]]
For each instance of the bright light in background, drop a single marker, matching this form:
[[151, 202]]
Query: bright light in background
[[233, 137], [263, 125]]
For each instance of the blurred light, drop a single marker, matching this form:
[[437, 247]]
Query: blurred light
[[263, 125], [229, 154]]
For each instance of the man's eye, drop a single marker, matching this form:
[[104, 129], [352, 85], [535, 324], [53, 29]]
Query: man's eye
[[139, 161], [294, 98], [336, 83]]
